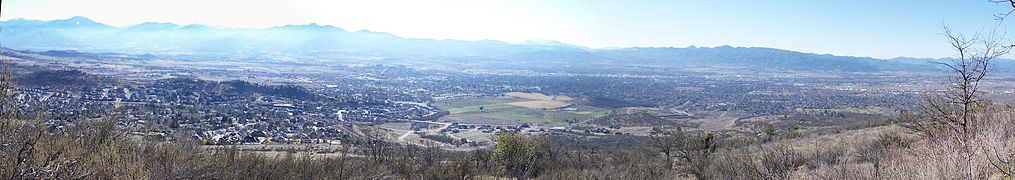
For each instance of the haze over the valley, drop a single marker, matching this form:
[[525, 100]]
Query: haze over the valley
[[324, 42], [847, 28]]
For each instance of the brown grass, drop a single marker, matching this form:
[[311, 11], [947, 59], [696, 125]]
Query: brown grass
[[538, 96], [540, 104]]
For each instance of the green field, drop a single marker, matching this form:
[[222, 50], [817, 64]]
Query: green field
[[498, 112], [475, 108]]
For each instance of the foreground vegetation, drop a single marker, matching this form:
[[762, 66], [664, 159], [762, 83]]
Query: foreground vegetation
[[98, 150]]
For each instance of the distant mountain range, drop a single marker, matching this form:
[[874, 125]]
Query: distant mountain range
[[83, 34]]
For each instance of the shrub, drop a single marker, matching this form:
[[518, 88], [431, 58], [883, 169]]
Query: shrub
[[518, 154]]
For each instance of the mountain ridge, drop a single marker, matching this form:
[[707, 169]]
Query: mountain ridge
[[83, 34]]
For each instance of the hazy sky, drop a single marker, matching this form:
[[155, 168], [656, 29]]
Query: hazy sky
[[877, 28]]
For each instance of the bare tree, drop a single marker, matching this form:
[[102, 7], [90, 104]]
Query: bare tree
[[7, 85], [1002, 16], [666, 142], [951, 115], [696, 151]]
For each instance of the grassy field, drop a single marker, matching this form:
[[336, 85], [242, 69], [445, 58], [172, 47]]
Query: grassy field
[[493, 106], [541, 104], [514, 110], [536, 96]]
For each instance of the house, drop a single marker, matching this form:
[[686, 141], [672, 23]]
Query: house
[[598, 130], [253, 140], [258, 133]]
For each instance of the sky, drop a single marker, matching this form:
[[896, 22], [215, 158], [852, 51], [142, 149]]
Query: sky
[[874, 28]]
